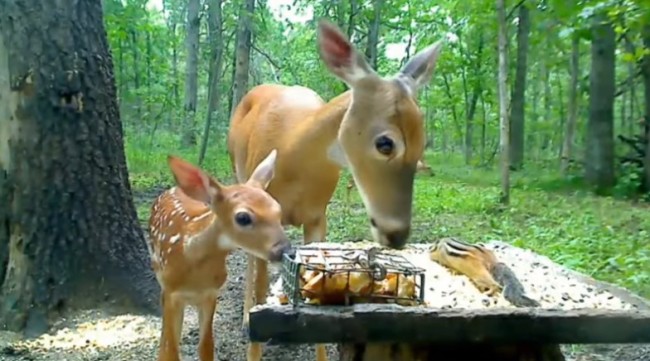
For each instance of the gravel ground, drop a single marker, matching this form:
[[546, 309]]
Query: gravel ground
[[96, 335]]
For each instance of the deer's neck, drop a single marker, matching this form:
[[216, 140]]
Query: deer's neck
[[209, 240], [321, 132]]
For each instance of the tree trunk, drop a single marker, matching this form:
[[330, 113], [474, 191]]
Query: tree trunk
[[567, 146], [519, 92], [191, 73], [503, 104], [599, 160], [149, 55], [373, 34], [646, 81], [631, 68], [215, 28], [67, 212], [243, 52], [136, 71], [473, 101]]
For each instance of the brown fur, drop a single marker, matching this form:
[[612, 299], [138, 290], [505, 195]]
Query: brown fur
[[303, 128], [192, 229], [481, 266]]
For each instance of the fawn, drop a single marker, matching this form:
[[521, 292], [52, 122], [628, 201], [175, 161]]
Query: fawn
[[193, 227]]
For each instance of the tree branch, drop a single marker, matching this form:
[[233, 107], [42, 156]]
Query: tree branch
[[514, 8], [268, 57]]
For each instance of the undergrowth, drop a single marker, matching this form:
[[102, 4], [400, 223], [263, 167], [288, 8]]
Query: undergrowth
[[604, 237]]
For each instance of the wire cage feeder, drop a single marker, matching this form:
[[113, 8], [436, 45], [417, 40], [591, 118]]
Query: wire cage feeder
[[339, 265]]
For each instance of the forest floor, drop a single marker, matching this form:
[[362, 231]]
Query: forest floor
[[604, 237]]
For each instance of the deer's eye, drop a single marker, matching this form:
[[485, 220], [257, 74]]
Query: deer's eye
[[384, 145], [243, 219]]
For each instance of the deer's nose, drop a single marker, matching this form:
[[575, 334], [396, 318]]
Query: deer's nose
[[397, 238]]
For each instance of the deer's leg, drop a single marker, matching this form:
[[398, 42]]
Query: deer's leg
[[314, 231], [172, 325], [206, 339], [248, 293], [261, 289], [321, 353]]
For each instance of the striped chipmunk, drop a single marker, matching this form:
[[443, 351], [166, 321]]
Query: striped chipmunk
[[482, 267]]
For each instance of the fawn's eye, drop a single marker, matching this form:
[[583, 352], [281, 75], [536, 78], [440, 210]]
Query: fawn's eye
[[243, 219], [384, 145]]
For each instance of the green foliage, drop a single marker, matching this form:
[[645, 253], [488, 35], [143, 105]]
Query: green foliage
[[603, 237]]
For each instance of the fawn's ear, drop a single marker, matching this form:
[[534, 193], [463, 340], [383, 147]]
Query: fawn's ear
[[193, 181], [264, 172], [339, 55]]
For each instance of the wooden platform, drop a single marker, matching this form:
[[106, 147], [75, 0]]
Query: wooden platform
[[574, 309]]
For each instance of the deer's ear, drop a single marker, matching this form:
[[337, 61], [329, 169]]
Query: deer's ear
[[264, 172], [420, 67], [193, 181], [339, 55]]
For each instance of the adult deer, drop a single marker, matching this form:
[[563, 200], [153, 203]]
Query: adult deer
[[421, 167], [376, 129], [193, 227]]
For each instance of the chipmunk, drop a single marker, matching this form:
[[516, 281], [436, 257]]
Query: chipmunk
[[481, 266]]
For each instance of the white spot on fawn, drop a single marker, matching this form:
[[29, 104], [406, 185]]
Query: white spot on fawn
[[201, 216], [175, 238], [226, 243]]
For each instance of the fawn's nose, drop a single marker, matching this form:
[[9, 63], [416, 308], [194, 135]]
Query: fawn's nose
[[279, 249]]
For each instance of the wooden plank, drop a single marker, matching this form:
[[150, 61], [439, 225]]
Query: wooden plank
[[393, 323], [575, 308]]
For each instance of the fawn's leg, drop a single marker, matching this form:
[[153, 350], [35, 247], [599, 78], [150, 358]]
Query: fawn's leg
[[206, 316], [248, 293], [172, 325], [261, 289]]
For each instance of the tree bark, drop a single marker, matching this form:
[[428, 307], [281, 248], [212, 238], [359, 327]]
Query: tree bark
[[569, 133], [214, 77], [599, 160], [67, 212], [373, 34], [519, 91], [136, 71], [503, 104], [191, 73], [473, 101], [646, 81], [243, 52]]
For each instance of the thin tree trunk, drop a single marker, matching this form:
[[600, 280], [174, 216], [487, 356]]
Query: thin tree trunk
[[214, 77], [483, 129], [517, 127], [244, 35], [503, 104], [148, 74], [136, 71], [630, 119], [599, 170], [67, 212], [191, 73], [646, 80], [471, 111], [373, 34], [567, 146]]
